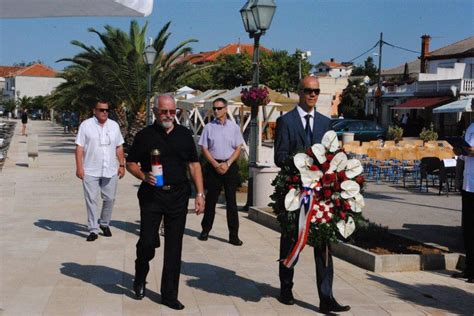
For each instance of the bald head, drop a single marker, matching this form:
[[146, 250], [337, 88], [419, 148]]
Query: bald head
[[308, 90]]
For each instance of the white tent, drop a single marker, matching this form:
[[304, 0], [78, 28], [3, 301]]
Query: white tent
[[229, 95], [462, 105], [64, 8], [189, 104]]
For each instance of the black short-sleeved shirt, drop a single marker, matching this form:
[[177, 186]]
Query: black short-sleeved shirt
[[177, 149]]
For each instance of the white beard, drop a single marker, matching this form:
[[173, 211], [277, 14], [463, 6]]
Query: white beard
[[167, 124]]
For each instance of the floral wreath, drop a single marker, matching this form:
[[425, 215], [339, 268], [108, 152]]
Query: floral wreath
[[318, 196]]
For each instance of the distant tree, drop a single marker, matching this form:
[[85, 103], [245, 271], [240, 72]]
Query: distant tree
[[368, 69], [231, 71], [26, 64], [353, 100]]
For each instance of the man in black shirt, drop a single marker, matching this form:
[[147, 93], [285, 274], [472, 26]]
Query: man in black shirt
[[170, 201]]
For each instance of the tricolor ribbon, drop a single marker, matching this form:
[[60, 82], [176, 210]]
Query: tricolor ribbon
[[307, 201]]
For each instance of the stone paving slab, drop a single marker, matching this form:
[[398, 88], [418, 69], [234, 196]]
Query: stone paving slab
[[47, 267]]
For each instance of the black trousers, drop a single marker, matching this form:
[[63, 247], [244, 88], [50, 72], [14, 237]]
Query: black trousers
[[324, 273], [214, 183], [172, 207], [467, 223]]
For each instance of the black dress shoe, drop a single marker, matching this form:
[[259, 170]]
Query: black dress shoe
[[236, 241], [332, 306], [203, 236], [174, 304], [287, 298], [470, 280], [106, 231], [92, 237], [140, 289]]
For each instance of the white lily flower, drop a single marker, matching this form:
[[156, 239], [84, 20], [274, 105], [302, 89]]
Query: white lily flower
[[353, 168], [330, 141], [346, 229], [302, 161], [310, 178], [349, 189], [319, 152], [292, 200], [338, 163], [357, 203]]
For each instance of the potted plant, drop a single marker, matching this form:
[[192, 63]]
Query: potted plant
[[428, 134], [395, 133], [255, 96]]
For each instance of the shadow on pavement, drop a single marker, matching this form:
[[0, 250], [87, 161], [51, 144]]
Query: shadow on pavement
[[218, 280], [110, 280], [63, 226], [193, 233], [431, 295], [448, 236], [129, 227]]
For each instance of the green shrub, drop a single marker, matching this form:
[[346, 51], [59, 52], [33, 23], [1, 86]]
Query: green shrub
[[428, 134], [395, 133], [243, 164]]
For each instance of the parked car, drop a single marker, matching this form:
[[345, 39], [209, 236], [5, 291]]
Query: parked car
[[35, 115], [363, 130]]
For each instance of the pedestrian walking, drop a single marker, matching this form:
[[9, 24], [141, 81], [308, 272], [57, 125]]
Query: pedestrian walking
[[164, 195], [221, 142], [24, 122], [100, 163]]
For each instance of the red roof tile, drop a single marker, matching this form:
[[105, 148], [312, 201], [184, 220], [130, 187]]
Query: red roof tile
[[6, 71], [230, 49], [35, 70]]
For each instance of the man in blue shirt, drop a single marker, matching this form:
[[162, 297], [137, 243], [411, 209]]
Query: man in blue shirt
[[221, 142]]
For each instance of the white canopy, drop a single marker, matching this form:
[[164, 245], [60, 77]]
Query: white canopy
[[185, 89], [229, 95], [462, 105], [63, 8], [198, 100]]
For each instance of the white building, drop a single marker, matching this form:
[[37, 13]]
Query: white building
[[332, 69]]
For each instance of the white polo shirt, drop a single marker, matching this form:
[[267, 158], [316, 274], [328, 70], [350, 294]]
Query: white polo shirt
[[100, 143], [468, 183]]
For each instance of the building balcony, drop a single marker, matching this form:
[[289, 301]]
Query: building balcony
[[460, 86]]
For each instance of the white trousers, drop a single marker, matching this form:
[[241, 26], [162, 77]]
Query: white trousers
[[108, 189]]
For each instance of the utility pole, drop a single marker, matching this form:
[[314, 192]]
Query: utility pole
[[378, 92]]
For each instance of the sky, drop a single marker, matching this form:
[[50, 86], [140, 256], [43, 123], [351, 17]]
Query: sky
[[340, 29]]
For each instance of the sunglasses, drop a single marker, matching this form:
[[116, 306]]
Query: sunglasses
[[169, 112], [103, 110], [309, 91], [216, 108]]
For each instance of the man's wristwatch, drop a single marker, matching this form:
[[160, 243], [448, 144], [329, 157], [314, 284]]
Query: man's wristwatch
[[200, 194]]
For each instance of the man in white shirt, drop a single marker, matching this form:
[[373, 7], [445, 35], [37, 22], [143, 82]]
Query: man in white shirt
[[467, 193], [100, 163]]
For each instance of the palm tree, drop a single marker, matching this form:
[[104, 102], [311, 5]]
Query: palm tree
[[118, 73]]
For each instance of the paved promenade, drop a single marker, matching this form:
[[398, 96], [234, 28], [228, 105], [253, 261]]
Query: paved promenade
[[47, 267]]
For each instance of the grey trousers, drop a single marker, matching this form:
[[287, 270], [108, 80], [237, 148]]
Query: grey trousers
[[108, 189]]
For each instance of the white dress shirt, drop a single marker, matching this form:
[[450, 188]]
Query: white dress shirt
[[468, 183], [302, 114], [100, 143]]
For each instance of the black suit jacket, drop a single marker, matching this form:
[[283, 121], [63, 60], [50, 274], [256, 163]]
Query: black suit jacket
[[290, 135]]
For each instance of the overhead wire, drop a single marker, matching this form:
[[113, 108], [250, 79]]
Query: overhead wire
[[402, 48], [365, 52]]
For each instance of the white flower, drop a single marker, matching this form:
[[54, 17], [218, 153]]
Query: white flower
[[346, 229], [330, 141], [319, 214], [353, 168], [319, 152], [338, 163], [292, 200], [310, 178], [357, 203], [349, 189], [302, 161], [313, 219]]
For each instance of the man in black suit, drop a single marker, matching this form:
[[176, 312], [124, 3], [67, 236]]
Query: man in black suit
[[297, 130]]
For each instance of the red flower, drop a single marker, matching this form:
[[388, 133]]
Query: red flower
[[360, 180], [290, 187], [329, 156], [328, 179], [341, 175], [342, 215], [314, 168], [310, 153], [337, 186], [295, 179], [327, 193], [325, 166], [347, 206], [337, 202]]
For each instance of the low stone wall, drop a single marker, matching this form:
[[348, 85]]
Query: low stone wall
[[370, 261]]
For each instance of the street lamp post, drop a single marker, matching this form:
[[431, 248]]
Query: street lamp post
[[257, 16], [303, 56], [149, 55]]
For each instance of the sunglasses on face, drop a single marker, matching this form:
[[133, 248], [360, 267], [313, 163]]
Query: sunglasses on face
[[309, 91], [165, 112], [103, 110], [217, 108]]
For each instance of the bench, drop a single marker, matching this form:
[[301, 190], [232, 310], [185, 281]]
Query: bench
[[32, 149]]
